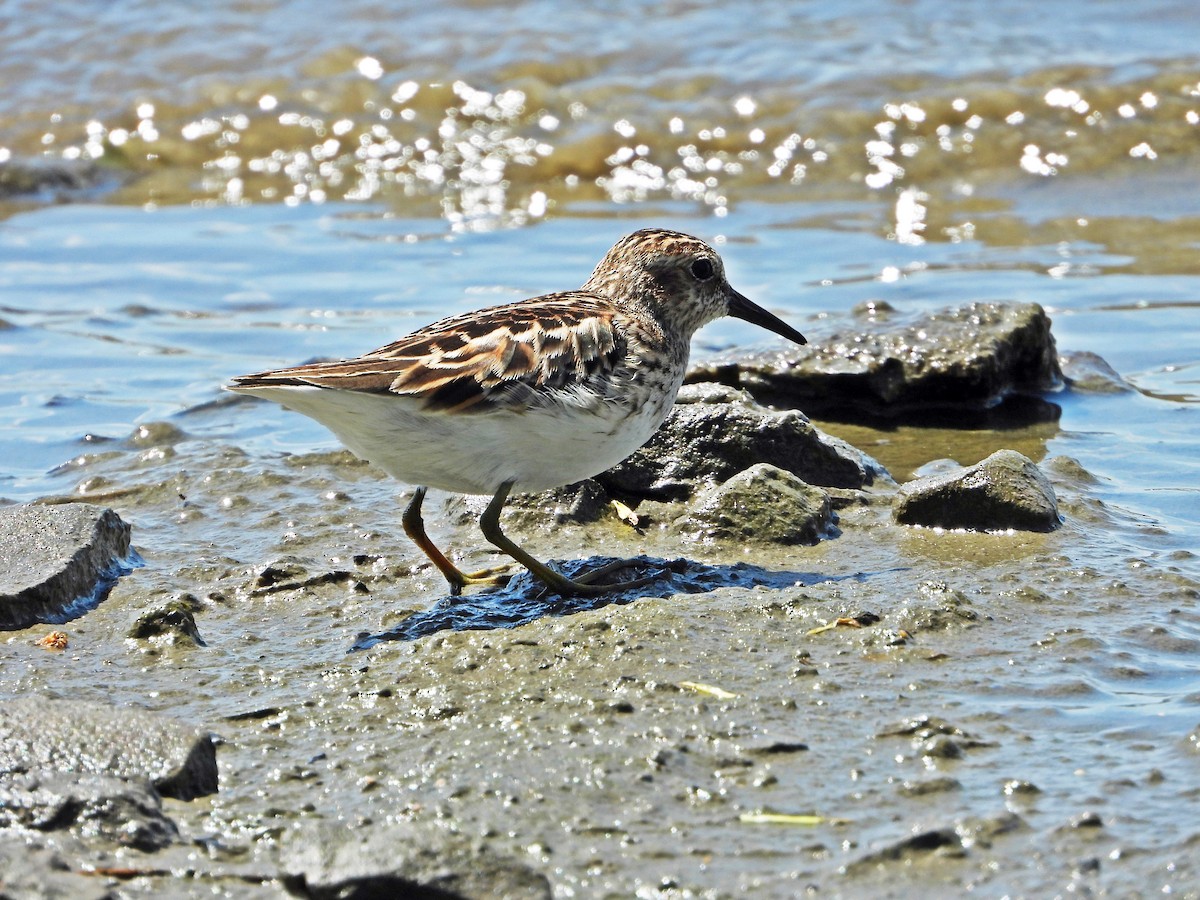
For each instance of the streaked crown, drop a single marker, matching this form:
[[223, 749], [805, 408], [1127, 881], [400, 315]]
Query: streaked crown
[[680, 278]]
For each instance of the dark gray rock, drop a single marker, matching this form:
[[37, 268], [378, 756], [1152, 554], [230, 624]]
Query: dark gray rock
[[1004, 491], [970, 357], [57, 562], [125, 811], [174, 623], [41, 736], [763, 504], [713, 433], [403, 860]]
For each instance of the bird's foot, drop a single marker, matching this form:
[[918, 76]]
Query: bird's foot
[[497, 576]]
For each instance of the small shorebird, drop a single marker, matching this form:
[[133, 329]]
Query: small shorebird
[[528, 396]]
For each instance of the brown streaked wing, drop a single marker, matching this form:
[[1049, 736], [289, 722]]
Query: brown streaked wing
[[505, 357]]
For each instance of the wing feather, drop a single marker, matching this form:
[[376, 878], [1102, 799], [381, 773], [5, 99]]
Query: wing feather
[[552, 349]]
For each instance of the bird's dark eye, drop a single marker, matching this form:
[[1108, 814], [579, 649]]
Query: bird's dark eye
[[702, 269]]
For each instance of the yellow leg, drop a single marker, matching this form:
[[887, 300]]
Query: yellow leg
[[414, 527], [489, 524]]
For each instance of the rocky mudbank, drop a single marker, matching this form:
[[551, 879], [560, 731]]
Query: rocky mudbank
[[737, 463]]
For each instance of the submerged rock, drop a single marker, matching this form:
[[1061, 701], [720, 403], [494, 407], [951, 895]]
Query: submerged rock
[[403, 860], [58, 561], [763, 504], [45, 737], [1004, 491], [714, 433], [1091, 374], [971, 357], [157, 434]]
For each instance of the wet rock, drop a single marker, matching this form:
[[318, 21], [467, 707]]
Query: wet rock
[[970, 357], [952, 841], [333, 459], [1087, 819], [764, 504], [1090, 865], [942, 747], [922, 727], [574, 504], [935, 738], [865, 618], [58, 561], [42, 736], [930, 786], [1015, 787], [984, 831], [714, 433], [1193, 739], [1004, 491], [936, 467], [291, 575], [125, 811], [54, 179], [286, 572], [935, 607], [34, 873], [775, 746], [157, 434], [403, 860], [905, 849], [1089, 373], [1069, 470], [174, 622]]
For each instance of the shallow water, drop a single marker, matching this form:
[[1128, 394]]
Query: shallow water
[[270, 184], [144, 323]]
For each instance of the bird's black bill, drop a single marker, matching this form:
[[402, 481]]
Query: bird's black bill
[[745, 309]]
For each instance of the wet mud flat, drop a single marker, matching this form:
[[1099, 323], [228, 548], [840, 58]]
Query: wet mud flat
[[839, 705]]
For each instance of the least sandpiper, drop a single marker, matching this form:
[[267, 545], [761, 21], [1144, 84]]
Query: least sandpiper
[[528, 396]]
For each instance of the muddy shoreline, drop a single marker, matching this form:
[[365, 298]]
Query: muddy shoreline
[[931, 700]]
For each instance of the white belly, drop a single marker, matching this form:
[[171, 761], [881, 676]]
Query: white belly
[[475, 453]]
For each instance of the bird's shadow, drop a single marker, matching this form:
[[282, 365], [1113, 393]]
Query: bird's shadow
[[525, 599]]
